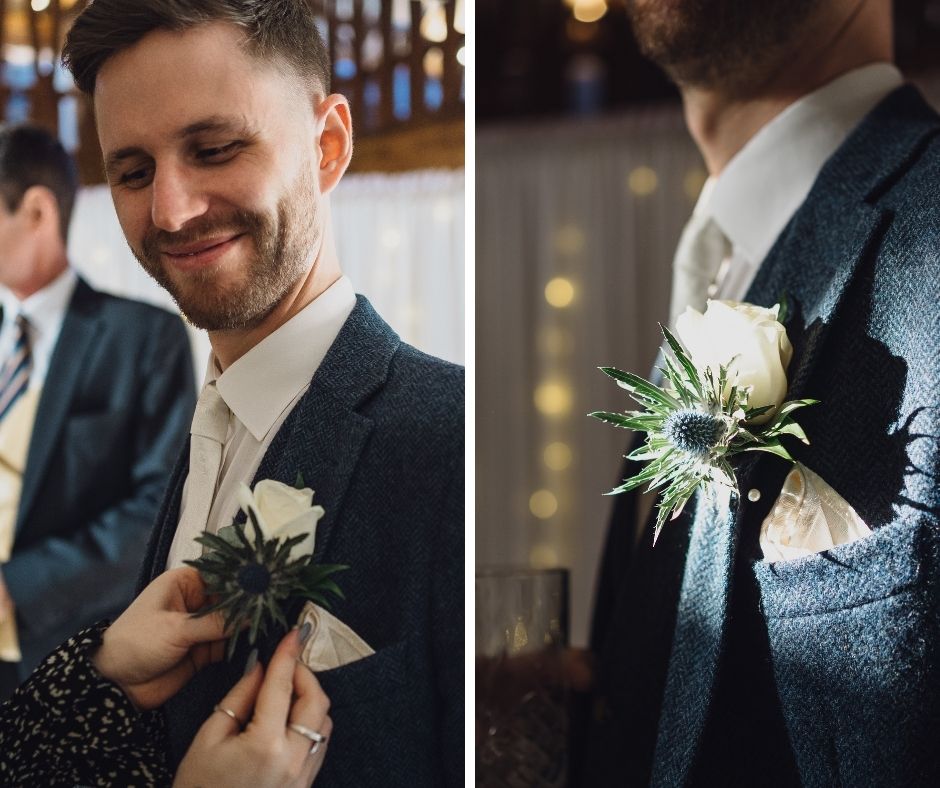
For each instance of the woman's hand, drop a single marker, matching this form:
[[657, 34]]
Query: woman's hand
[[155, 647], [267, 752]]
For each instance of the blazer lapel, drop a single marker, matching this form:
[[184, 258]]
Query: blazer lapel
[[161, 537], [324, 436], [76, 337]]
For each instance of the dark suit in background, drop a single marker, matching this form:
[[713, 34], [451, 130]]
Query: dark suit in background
[[716, 669], [379, 436], [114, 411]]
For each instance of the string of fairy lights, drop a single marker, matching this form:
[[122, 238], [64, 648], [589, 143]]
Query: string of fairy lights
[[553, 501]]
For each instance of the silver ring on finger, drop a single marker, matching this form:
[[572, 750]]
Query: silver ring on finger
[[308, 733], [230, 713]]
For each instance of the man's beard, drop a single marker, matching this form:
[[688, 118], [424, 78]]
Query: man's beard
[[284, 244], [725, 44]]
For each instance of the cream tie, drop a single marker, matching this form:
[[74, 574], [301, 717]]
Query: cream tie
[[702, 257], [209, 429]]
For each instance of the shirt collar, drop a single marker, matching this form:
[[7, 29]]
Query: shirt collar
[[44, 308], [261, 384], [769, 178]]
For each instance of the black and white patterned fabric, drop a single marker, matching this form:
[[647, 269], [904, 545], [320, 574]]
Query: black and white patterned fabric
[[69, 726]]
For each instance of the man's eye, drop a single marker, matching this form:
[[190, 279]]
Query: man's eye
[[136, 178], [218, 153]]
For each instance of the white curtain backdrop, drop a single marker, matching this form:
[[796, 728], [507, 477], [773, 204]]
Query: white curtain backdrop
[[600, 205], [400, 239]]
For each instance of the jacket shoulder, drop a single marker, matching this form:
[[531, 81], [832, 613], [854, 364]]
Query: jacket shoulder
[[130, 315], [423, 395]]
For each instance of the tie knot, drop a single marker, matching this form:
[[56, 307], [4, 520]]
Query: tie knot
[[22, 327], [211, 417]]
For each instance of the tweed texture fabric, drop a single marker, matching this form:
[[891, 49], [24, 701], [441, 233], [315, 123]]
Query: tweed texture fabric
[[379, 436], [700, 625], [826, 670]]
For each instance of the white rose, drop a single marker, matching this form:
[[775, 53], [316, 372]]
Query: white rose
[[746, 339], [283, 512]]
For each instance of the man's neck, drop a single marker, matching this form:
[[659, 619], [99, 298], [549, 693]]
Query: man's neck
[[722, 124], [230, 345], [44, 274]]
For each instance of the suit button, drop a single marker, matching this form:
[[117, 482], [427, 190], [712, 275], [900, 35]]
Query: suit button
[[753, 495]]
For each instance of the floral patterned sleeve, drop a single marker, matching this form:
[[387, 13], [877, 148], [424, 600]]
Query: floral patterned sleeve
[[67, 725]]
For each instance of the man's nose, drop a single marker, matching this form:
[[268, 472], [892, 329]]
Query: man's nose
[[177, 198]]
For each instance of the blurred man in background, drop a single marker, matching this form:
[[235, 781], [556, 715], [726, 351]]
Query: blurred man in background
[[96, 394]]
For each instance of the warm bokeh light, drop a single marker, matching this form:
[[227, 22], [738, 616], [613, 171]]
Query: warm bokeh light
[[543, 504], [693, 182], [569, 239], [434, 63], [555, 341], [557, 456], [559, 292], [589, 10], [39, 5], [553, 399], [462, 56], [642, 181], [543, 556], [434, 22]]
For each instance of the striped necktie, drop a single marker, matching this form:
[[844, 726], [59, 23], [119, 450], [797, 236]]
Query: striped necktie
[[14, 377]]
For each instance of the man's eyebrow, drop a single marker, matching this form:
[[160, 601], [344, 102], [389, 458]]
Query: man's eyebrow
[[214, 123]]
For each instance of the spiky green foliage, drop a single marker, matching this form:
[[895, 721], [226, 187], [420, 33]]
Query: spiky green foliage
[[252, 577], [694, 426]]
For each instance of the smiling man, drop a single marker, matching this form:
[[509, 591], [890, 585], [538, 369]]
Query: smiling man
[[222, 144]]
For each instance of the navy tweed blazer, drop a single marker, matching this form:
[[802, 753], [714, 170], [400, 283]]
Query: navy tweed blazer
[[379, 436], [825, 670]]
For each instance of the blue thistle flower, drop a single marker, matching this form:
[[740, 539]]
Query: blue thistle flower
[[254, 578], [693, 431]]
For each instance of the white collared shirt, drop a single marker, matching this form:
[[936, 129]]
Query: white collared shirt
[[761, 188], [45, 310], [261, 389]]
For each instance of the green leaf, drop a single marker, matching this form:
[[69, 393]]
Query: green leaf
[[287, 545], [299, 483], [784, 312], [312, 575], [329, 585], [772, 447], [640, 387], [686, 390], [259, 535], [683, 359], [753, 413], [792, 405], [638, 423], [791, 428], [213, 542], [230, 533]]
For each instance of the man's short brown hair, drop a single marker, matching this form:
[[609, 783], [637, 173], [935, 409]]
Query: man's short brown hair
[[283, 30], [32, 156]]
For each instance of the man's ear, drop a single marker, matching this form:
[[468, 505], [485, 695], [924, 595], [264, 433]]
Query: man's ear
[[39, 208], [334, 126]]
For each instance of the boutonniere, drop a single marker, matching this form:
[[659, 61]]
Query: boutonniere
[[723, 389], [252, 568]]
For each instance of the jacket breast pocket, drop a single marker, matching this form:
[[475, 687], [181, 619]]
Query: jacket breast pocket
[[385, 722], [854, 641], [96, 454], [379, 675]]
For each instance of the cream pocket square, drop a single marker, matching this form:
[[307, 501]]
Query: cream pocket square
[[808, 517], [332, 644]]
